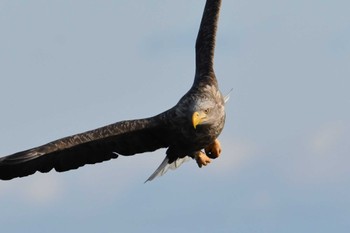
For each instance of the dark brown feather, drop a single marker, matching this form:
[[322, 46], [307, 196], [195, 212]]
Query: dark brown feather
[[125, 138], [205, 43]]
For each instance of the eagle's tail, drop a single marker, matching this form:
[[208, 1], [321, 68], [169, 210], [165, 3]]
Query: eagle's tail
[[165, 166]]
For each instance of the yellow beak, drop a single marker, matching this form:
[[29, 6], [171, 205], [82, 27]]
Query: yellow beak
[[198, 118]]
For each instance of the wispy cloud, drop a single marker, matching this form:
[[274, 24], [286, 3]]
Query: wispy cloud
[[323, 159], [39, 189], [43, 189], [236, 153], [326, 138]]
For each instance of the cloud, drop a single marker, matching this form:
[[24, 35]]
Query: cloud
[[236, 153], [323, 159], [326, 138], [39, 189], [43, 189]]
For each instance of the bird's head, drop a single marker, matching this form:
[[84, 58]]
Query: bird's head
[[202, 107], [207, 112], [200, 117]]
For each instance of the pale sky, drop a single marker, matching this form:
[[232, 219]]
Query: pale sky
[[70, 66]]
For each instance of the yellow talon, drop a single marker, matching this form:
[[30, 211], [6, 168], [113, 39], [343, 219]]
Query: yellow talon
[[202, 159]]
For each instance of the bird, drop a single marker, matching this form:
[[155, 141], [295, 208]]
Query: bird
[[189, 130]]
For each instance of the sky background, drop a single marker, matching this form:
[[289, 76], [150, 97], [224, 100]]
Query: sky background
[[70, 66]]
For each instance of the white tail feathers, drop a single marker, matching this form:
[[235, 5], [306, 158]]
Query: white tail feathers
[[165, 166]]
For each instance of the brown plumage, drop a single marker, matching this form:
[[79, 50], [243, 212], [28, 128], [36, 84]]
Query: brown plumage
[[191, 125]]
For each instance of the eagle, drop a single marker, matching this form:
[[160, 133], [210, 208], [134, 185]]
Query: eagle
[[189, 130]]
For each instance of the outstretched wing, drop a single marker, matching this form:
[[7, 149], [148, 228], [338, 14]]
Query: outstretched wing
[[205, 43], [125, 138]]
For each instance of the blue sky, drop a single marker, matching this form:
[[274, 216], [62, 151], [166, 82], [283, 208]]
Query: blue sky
[[71, 66]]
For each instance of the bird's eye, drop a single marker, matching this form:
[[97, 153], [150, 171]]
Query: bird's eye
[[206, 111]]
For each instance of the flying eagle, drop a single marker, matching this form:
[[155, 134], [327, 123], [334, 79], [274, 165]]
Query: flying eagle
[[188, 130]]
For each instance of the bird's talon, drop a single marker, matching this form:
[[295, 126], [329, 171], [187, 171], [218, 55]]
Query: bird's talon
[[202, 159], [213, 150]]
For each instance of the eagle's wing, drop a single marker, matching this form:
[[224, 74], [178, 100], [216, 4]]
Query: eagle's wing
[[205, 43], [125, 138]]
